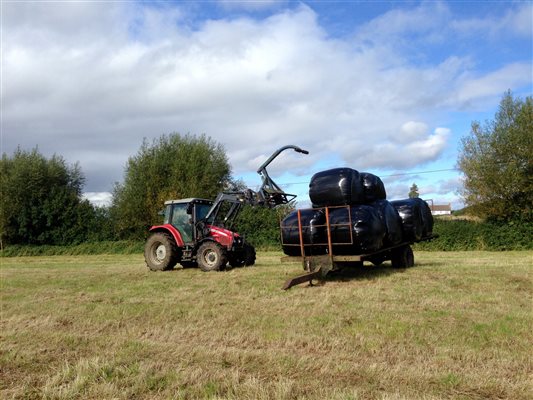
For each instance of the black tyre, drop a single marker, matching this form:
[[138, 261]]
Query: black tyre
[[161, 252], [189, 264], [403, 257], [245, 258], [348, 264], [211, 257], [410, 257], [377, 260]]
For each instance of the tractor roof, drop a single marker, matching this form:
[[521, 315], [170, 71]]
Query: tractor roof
[[189, 200]]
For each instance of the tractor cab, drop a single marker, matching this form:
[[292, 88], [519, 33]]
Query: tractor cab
[[185, 213]]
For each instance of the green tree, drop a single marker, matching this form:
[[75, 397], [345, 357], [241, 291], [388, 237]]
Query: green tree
[[260, 225], [171, 167], [41, 200], [497, 162], [413, 191]]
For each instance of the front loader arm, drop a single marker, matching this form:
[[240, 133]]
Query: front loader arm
[[270, 194]]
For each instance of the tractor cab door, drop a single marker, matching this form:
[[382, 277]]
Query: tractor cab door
[[201, 210], [182, 221]]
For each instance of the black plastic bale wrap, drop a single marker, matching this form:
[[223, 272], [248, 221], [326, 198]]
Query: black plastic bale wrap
[[417, 221], [392, 221], [368, 231], [427, 218], [313, 232], [336, 187], [373, 187]]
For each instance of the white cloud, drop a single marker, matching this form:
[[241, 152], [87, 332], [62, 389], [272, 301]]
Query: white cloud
[[516, 20], [411, 131], [471, 88], [251, 5], [393, 26], [86, 79], [100, 199]]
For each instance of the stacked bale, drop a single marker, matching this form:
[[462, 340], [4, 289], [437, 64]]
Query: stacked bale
[[391, 220], [417, 221], [336, 187], [367, 229], [375, 222], [313, 232]]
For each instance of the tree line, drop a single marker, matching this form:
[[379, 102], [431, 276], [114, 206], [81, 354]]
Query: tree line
[[41, 198], [42, 203]]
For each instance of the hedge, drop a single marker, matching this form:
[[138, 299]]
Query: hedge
[[454, 235], [459, 234]]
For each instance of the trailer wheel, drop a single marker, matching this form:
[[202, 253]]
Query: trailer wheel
[[246, 258], [160, 252], [211, 257], [410, 257], [403, 257], [378, 260]]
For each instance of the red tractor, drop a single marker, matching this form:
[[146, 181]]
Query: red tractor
[[198, 232]]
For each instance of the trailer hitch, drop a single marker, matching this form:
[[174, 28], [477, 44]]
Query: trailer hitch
[[307, 277], [315, 267]]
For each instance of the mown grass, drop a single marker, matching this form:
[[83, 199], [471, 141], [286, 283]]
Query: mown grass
[[457, 326], [86, 248]]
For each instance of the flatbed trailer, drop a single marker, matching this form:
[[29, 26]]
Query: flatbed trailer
[[318, 266]]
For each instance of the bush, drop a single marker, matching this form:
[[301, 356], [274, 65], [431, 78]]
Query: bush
[[172, 167], [260, 226], [41, 201], [458, 234]]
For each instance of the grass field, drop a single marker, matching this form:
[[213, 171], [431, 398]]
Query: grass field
[[457, 326]]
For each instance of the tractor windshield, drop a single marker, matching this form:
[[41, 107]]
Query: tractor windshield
[[201, 211], [224, 214]]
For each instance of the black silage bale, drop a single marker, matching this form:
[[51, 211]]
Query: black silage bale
[[336, 187], [411, 214], [392, 221], [427, 217], [373, 188], [364, 222], [368, 228], [313, 232]]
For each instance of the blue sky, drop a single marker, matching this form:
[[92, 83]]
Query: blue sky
[[387, 87]]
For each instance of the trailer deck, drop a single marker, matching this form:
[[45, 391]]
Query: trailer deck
[[318, 266]]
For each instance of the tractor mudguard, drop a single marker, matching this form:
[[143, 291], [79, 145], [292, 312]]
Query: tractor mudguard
[[170, 229]]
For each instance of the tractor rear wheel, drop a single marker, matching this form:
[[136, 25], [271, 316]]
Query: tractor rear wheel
[[246, 258], [161, 252], [211, 257]]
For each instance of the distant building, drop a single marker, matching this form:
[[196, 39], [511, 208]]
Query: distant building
[[441, 209]]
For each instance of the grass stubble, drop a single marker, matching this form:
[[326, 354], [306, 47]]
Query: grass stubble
[[457, 326]]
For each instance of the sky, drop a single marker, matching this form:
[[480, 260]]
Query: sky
[[387, 87]]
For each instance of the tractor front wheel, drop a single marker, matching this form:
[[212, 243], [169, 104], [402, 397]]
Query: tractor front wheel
[[245, 258], [160, 252], [211, 257]]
